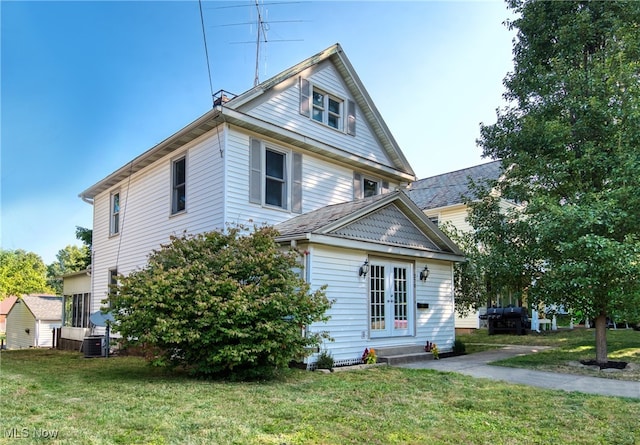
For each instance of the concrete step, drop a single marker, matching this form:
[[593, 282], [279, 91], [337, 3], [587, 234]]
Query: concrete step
[[397, 355], [405, 358]]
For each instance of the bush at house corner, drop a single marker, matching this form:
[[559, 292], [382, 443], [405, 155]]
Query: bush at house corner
[[220, 304]]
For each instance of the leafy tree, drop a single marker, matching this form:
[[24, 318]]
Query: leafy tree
[[70, 259], [226, 304], [496, 263], [569, 142], [21, 273], [86, 236]]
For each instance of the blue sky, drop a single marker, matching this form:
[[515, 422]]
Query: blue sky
[[87, 86]]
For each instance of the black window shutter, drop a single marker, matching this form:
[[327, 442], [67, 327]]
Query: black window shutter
[[385, 187], [351, 118], [255, 171], [305, 94], [357, 186], [296, 188]]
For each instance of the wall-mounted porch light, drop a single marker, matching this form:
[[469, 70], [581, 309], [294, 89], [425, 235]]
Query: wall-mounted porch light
[[424, 273], [364, 269]]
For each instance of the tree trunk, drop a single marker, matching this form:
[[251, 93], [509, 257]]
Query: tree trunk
[[601, 338]]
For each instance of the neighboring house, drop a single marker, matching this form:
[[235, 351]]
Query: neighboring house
[[442, 198], [306, 151], [31, 321], [76, 292], [5, 307]]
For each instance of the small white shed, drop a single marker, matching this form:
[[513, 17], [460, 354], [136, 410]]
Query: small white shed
[[31, 321]]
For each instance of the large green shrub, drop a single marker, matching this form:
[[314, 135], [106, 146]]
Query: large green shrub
[[225, 304]]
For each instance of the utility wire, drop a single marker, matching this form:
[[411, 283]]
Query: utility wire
[[206, 50]]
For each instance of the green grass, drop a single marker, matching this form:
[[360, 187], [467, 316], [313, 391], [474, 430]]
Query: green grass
[[121, 400], [569, 346]]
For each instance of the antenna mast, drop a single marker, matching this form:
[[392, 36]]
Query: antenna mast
[[261, 32], [262, 26]]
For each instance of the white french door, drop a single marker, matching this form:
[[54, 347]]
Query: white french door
[[391, 301]]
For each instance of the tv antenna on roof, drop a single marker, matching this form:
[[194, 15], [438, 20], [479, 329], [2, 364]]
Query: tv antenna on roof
[[262, 26]]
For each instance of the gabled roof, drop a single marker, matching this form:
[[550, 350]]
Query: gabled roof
[[44, 307], [6, 304], [451, 188], [337, 56], [390, 219], [231, 112]]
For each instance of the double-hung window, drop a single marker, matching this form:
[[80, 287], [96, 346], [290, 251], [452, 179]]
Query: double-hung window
[[179, 185], [275, 185], [114, 218], [275, 177], [326, 108]]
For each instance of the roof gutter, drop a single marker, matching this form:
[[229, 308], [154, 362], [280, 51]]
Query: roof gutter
[[86, 199]]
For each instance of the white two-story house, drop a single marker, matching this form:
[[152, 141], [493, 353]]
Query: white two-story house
[[306, 151]]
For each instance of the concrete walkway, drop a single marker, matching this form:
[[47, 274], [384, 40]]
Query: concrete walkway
[[476, 365]]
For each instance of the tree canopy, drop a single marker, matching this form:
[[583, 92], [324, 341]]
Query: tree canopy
[[569, 141], [70, 259], [227, 304], [22, 273]]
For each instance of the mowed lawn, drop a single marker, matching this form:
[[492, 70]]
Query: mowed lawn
[[569, 347], [121, 400]]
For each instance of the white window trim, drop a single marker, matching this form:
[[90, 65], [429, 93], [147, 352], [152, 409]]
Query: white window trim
[[287, 176], [325, 108], [372, 179], [172, 203], [112, 214], [293, 173]]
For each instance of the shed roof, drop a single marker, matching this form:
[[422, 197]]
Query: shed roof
[[451, 188], [44, 307]]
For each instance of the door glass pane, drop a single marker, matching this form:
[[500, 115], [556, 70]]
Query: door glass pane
[[400, 298], [376, 282]]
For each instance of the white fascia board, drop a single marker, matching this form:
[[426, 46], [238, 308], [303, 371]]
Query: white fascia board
[[373, 247]]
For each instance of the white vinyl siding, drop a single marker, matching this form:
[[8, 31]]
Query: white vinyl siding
[[456, 215], [19, 320], [40, 332], [283, 109], [146, 199], [349, 322], [322, 183]]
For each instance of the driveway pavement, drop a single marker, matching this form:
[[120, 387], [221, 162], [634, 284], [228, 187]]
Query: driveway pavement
[[476, 365]]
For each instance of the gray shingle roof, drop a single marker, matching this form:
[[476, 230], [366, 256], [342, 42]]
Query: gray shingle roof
[[44, 307], [316, 219], [450, 188]]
